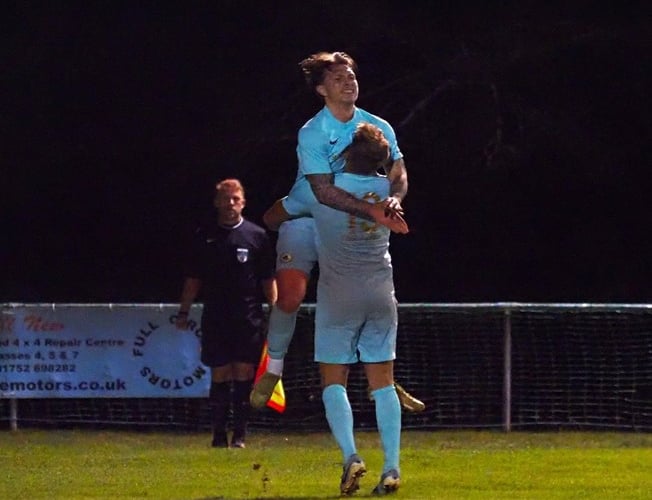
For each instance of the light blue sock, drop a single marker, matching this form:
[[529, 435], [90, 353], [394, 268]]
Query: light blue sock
[[280, 332], [388, 419], [340, 418]]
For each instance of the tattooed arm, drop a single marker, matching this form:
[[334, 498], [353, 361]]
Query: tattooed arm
[[329, 194], [334, 197], [397, 175]]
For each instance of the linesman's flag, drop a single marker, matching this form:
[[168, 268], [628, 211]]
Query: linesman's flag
[[277, 401]]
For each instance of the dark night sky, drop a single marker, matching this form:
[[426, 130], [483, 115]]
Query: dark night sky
[[525, 130]]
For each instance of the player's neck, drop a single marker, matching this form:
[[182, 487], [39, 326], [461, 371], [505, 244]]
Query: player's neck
[[342, 111], [229, 222]]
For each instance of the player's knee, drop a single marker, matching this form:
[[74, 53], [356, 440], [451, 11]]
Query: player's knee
[[289, 303]]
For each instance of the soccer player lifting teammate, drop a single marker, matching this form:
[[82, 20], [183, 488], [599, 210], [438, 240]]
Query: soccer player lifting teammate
[[356, 315], [321, 142]]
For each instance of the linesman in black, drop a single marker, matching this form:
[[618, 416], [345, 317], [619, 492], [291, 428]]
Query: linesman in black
[[232, 262]]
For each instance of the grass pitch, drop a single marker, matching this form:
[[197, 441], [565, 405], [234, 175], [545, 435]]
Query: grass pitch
[[76, 464]]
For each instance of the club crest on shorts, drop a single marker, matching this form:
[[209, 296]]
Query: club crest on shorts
[[242, 254], [286, 257]]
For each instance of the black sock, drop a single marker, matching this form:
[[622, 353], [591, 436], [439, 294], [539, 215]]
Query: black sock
[[241, 407], [219, 399]]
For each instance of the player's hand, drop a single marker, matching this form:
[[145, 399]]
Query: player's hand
[[393, 206], [393, 220]]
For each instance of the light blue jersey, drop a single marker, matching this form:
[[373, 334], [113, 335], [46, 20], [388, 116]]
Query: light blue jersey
[[321, 142], [323, 138], [356, 308], [352, 247]]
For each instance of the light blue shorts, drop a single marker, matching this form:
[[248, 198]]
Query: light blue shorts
[[348, 331], [300, 198], [296, 246]]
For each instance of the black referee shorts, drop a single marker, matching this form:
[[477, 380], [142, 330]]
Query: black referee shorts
[[224, 342]]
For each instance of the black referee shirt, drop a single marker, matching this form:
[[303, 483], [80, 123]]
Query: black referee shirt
[[231, 263]]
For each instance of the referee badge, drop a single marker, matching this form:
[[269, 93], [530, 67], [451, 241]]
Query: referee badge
[[242, 254]]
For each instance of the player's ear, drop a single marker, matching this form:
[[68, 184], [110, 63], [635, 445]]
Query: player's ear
[[321, 90]]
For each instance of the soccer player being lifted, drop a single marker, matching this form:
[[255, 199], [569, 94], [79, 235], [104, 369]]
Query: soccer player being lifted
[[321, 141]]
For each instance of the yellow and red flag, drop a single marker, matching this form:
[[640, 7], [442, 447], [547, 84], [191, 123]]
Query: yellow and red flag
[[277, 401]]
